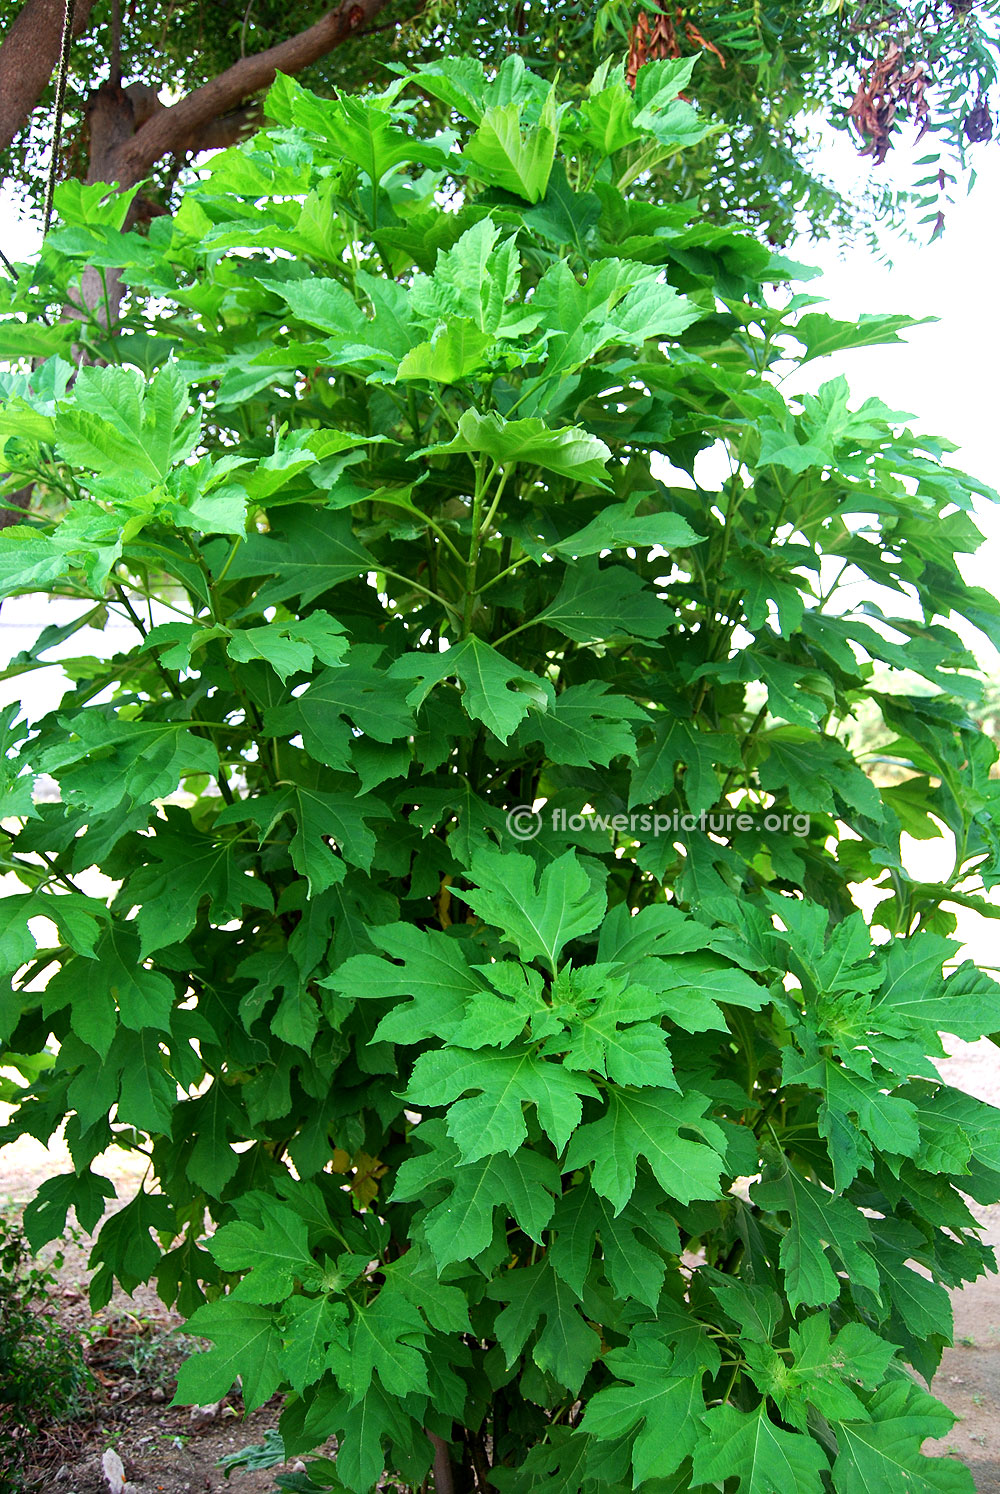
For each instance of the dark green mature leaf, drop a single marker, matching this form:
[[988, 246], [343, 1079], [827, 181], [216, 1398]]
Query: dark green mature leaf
[[565, 1346], [700, 753], [491, 1119], [359, 695], [648, 1124], [113, 760], [662, 1396], [634, 1265], [313, 551], [817, 1222], [461, 1226], [177, 881], [495, 692], [883, 1450], [319, 817], [247, 1344], [585, 725], [595, 604], [45, 1214], [114, 984], [767, 1459]]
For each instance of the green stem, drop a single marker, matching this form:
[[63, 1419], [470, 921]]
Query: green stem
[[475, 541], [509, 570], [409, 581]]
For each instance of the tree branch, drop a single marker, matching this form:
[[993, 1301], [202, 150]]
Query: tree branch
[[28, 54], [170, 128], [226, 129], [15, 505], [444, 1477]]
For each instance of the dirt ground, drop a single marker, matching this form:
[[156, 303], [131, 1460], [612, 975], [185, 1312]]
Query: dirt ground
[[969, 1377], [135, 1345]]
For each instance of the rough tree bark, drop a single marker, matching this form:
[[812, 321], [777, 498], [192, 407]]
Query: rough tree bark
[[28, 55], [30, 49]]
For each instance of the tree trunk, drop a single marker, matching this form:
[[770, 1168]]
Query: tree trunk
[[20, 498], [444, 1478], [111, 121], [28, 54]]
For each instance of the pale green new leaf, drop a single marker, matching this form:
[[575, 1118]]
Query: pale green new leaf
[[506, 152], [540, 914], [567, 451], [312, 551], [454, 353], [290, 647]]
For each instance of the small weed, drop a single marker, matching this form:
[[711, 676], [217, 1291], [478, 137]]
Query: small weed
[[43, 1377]]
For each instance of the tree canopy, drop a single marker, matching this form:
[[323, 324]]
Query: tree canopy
[[475, 961], [767, 74]]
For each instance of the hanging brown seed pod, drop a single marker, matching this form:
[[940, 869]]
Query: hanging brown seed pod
[[653, 42], [978, 123]]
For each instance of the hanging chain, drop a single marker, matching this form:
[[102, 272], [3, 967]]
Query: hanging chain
[[67, 39]]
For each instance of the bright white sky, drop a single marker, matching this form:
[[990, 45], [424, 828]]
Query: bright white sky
[[946, 373]]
